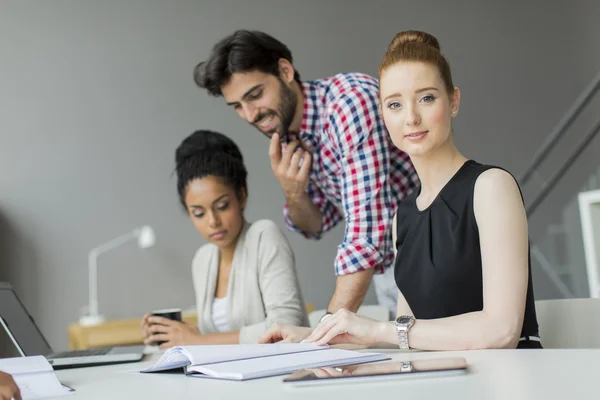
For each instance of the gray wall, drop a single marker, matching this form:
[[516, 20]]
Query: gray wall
[[95, 96]]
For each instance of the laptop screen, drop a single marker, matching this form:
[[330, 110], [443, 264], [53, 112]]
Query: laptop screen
[[21, 326]]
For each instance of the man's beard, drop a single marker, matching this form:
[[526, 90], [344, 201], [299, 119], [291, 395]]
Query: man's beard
[[286, 109]]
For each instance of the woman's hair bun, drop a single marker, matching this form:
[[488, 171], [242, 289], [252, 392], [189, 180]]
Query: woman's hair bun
[[205, 142], [416, 37]]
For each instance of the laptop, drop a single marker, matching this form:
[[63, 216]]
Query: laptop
[[29, 341]]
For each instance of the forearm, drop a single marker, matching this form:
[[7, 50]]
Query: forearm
[[305, 215], [350, 290], [219, 338], [476, 330]]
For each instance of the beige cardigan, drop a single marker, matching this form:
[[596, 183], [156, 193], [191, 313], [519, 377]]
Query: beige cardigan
[[263, 287]]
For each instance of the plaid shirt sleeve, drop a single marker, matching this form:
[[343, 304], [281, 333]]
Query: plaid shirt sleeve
[[355, 126], [329, 213]]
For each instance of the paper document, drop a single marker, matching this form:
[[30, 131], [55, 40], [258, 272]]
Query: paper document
[[34, 376], [282, 364], [181, 356]]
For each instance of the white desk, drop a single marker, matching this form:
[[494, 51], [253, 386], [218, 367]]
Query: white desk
[[494, 374]]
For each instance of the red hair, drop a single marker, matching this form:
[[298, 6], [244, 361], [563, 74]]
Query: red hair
[[411, 46]]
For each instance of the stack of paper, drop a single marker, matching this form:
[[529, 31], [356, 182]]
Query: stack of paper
[[34, 376], [241, 362]]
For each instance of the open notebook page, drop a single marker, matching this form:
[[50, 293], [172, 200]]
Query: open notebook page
[[181, 356], [282, 364], [34, 376], [24, 365], [40, 386]]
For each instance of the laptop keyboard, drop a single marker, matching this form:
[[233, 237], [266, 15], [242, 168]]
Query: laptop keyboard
[[83, 353]]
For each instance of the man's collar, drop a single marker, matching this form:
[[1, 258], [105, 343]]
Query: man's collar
[[309, 128]]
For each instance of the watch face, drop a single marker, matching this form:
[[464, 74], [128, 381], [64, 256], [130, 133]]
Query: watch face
[[404, 320]]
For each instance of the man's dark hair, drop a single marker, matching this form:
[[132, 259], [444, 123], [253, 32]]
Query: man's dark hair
[[242, 51], [207, 153]]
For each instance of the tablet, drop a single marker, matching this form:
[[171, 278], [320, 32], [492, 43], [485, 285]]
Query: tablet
[[393, 370]]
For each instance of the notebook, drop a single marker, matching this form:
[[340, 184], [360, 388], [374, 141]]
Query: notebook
[[182, 356], [283, 364], [243, 362], [34, 376]]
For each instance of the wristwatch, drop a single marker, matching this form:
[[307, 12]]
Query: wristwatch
[[406, 366], [403, 325]]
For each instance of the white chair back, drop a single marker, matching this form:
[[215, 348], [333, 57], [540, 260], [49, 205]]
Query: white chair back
[[377, 312], [569, 323]]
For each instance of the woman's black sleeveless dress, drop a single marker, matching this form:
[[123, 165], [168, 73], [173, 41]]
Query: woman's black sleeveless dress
[[438, 265]]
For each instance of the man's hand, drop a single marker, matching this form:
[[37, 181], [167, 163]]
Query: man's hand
[[292, 177], [173, 333], [294, 180], [285, 333], [8, 387]]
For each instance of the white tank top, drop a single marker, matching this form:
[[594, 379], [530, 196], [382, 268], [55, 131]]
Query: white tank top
[[219, 314]]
